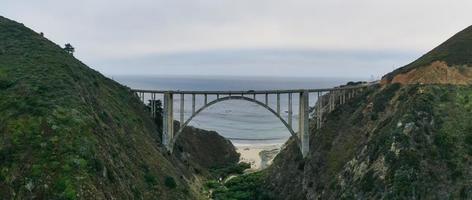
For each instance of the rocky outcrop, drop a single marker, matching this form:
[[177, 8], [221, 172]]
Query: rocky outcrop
[[437, 72]]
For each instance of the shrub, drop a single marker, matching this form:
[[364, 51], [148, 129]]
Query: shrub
[[383, 98], [150, 179], [245, 187], [212, 184], [231, 169], [170, 182]]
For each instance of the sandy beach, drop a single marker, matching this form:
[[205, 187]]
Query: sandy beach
[[259, 156]]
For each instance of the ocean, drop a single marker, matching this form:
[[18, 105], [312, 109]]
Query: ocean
[[243, 122]]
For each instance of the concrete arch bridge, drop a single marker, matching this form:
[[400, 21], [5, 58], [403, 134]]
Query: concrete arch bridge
[[324, 102]]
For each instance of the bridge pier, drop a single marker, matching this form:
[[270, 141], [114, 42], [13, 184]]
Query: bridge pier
[[290, 109], [193, 104], [168, 118], [303, 125], [319, 113], [182, 108], [278, 103]]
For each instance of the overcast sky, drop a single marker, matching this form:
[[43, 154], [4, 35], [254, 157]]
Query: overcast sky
[[349, 38]]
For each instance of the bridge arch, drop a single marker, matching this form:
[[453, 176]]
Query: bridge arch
[[227, 98]]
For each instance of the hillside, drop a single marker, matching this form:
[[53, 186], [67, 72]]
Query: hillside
[[411, 142], [396, 140], [449, 63], [68, 132], [205, 149], [408, 138]]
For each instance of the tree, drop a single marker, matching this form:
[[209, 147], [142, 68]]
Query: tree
[[158, 112], [69, 48]]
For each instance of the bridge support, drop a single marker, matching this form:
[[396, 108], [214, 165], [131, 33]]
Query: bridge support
[[303, 123], [290, 112], [168, 118], [319, 113]]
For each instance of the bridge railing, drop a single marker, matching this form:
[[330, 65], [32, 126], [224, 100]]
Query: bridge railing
[[246, 92]]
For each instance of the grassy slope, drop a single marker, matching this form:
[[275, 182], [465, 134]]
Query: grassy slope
[[455, 51], [67, 132], [395, 143]]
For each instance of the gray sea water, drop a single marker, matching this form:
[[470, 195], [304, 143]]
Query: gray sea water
[[243, 122]]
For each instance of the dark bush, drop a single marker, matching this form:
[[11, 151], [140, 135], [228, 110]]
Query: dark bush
[[383, 98], [150, 179], [245, 187], [170, 182], [228, 170]]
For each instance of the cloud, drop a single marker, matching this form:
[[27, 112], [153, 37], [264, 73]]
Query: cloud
[[264, 62], [110, 30]]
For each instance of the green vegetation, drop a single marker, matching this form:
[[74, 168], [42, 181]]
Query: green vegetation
[[157, 112], [67, 132], [170, 182], [383, 98], [417, 147], [424, 137], [69, 48], [434, 132], [223, 172], [245, 187]]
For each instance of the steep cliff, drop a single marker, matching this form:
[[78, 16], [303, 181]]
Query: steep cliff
[[67, 132]]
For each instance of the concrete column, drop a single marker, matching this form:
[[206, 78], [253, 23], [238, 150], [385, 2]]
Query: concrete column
[[333, 96], [182, 109], [343, 97], [334, 100], [340, 97], [254, 96], [168, 124], [193, 104], [266, 99], [290, 109], [150, 104], [278, 104], [303, 123], [330, 101], [206, 99], [320, 110], [153, 105]]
